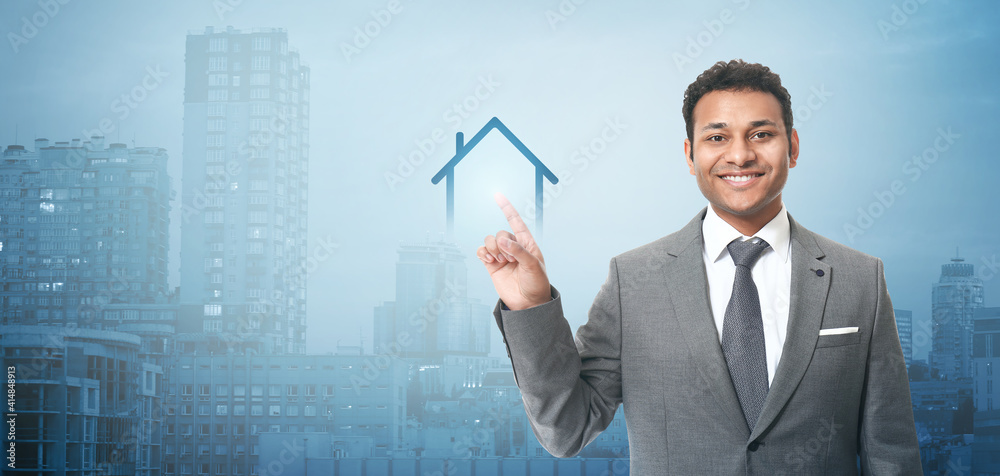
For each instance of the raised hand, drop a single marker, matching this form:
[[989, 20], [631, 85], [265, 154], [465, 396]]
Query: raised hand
[[515, 263]]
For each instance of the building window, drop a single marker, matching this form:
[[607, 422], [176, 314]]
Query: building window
[[259, 63], [218, 95], [217, 63], [260, 79], [218, 45], [262, 43], [218, 80]]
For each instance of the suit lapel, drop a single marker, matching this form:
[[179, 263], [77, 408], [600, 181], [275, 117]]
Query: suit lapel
[[686, 282], [805, 315]]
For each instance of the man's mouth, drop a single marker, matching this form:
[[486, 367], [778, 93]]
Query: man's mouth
[[740, 178]]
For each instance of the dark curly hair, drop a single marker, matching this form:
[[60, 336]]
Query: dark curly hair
[[736, 75]]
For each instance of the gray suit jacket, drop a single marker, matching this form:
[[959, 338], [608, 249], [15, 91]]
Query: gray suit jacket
[[650, 343]]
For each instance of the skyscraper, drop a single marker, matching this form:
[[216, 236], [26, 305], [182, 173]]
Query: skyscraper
[[431, 316], [81, 227], [955, 298], [986, 359], [433, 323], [245, 188], [904, 326]]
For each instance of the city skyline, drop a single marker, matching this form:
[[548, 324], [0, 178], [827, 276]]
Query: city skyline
[[138, 95], [186, 114]]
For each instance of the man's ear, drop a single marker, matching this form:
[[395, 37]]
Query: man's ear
[[793, 151], [689, 155]]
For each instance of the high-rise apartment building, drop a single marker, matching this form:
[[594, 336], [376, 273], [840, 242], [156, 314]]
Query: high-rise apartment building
[[986, 359], [955, 298], [245, 188], [81, 227], [904, 326]]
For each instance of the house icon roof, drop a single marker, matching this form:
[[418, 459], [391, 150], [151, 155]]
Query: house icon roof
[[462, 149]]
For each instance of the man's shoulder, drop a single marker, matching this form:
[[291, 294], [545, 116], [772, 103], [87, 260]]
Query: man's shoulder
[[833, 251], [687, 239]]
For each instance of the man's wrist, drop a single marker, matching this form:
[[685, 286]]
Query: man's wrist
[[503, 305]]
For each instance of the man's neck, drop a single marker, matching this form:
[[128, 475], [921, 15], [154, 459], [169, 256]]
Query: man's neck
[[749, 225]]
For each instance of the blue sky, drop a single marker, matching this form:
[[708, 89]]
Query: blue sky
[[872, 83]]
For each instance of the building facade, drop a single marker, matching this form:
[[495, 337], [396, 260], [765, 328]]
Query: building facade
[[85, 403], [245, 195], [986, 391], [904, 326], [955, 297], [219, 404], [81, 226]]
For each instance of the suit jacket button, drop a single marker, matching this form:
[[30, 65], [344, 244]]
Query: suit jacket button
[[753, 446]]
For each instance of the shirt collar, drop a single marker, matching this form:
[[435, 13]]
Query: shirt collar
[[718, 234]]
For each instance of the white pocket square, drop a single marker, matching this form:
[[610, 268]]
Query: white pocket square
[[838, 330]]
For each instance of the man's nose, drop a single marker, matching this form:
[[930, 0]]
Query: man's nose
[[740, 152]]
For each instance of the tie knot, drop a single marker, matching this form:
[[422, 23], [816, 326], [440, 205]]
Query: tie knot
[[745, 253]]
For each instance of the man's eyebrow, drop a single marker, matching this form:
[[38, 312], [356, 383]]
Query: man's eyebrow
[[714, 125], [763, 122]]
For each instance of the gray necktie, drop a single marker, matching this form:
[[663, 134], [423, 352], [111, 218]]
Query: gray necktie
[[743, 332]]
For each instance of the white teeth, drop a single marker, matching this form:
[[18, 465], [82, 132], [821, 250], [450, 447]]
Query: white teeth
[[738, 178]]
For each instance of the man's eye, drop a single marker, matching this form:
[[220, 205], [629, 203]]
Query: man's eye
[[715, 138], [761, 135]]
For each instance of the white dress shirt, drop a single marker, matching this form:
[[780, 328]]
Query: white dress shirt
[[772, 275]]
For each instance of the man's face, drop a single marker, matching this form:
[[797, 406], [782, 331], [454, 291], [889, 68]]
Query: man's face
[[741, 153]]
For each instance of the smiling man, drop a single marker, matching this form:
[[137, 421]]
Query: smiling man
[[741, 344]]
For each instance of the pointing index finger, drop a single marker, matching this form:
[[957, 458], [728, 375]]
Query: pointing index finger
[[514, 219]]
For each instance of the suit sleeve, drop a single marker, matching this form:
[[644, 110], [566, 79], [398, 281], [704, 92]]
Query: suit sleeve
[[887, 435], [571, 389]]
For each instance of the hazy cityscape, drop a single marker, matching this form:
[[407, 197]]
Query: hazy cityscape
[[158, 307]]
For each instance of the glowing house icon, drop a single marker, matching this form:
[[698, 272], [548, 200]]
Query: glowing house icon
[[462, 149]]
